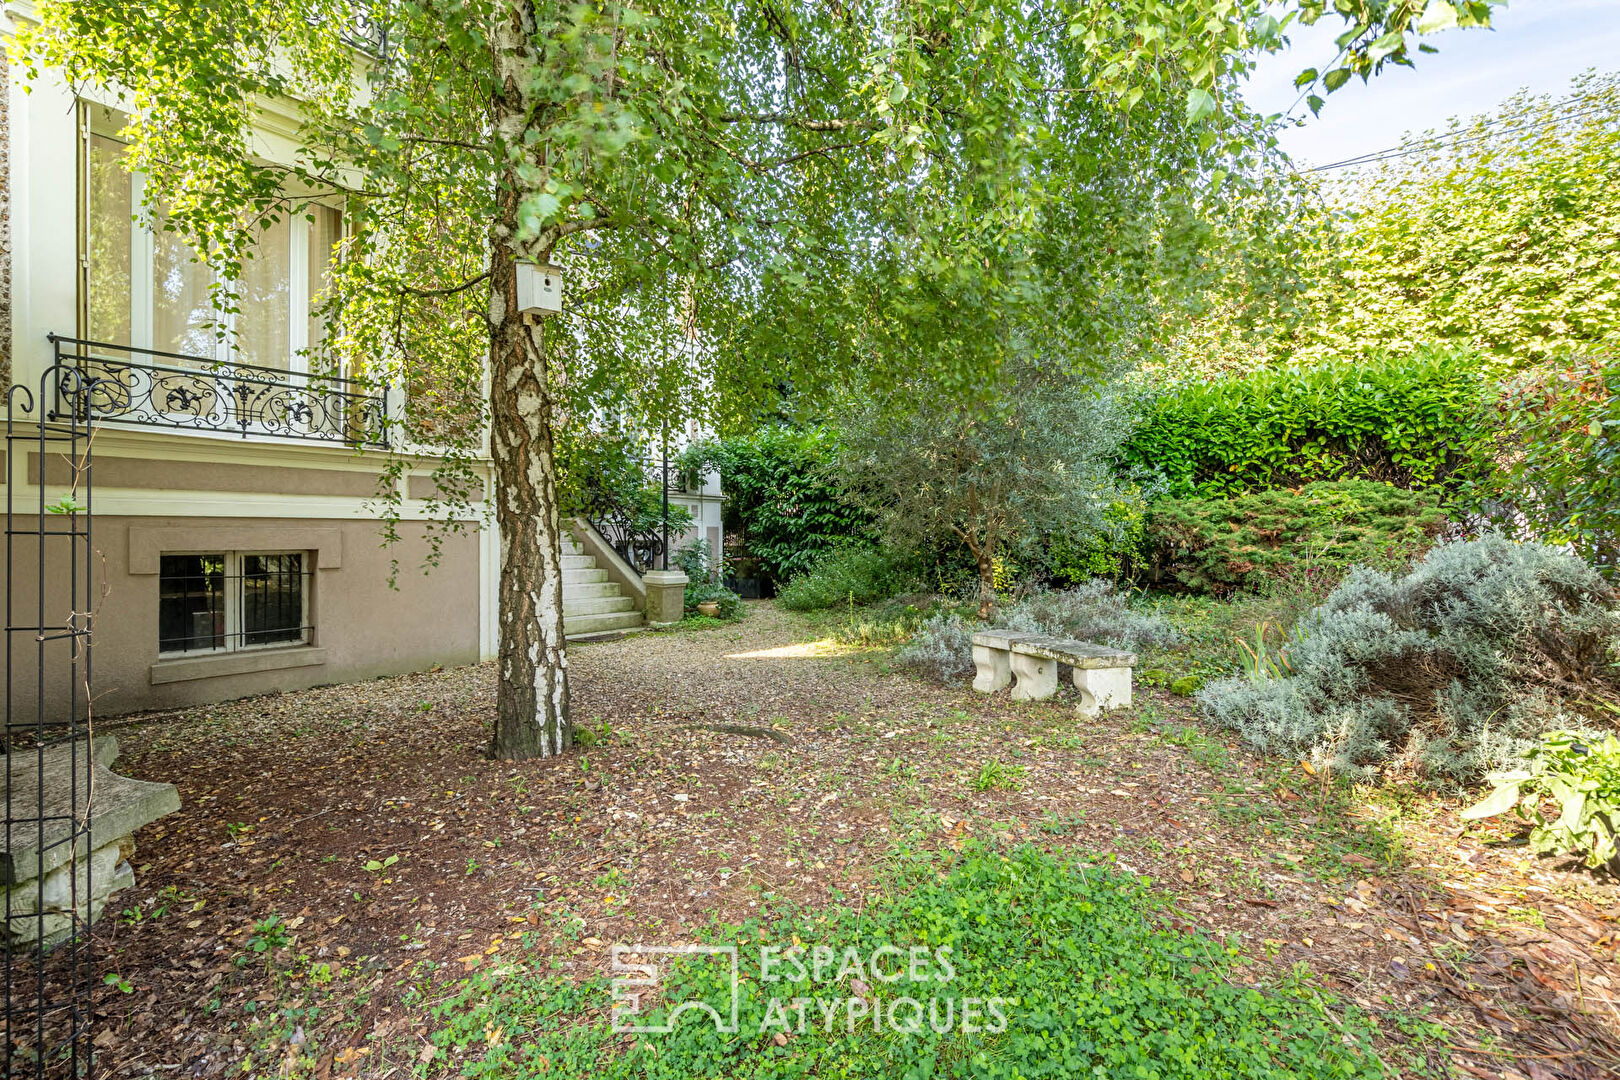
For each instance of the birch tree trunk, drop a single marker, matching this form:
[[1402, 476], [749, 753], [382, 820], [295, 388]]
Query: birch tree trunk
[[531, 718]]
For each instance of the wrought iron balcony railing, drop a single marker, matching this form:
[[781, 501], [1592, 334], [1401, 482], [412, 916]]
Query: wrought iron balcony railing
[[146, 388]]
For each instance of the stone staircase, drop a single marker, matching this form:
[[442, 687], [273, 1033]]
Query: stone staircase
[[592, 603]]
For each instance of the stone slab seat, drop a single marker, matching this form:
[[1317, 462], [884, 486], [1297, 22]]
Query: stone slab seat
[[92, 868], [1030, 663]]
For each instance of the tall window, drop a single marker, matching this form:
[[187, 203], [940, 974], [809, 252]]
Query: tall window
[[147, 288], [231, 600]]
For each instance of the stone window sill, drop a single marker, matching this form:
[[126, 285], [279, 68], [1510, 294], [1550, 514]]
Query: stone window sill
[[184, 669]]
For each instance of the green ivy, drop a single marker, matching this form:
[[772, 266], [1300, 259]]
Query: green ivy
[[1092, 975], [1409, 421], [781, 503], [1221, 545]]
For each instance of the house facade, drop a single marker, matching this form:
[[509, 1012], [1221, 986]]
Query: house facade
[[235, 491]]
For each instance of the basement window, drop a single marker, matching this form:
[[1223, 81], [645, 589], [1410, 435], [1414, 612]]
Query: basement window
[[232, 600]]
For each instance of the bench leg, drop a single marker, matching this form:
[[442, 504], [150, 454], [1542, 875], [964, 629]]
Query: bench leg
[[1102, 688], [1037, 677], [991, 671]]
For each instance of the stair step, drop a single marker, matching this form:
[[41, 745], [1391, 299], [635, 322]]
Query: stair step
[[591, 624], [587, 590], [597, 605], [583, 577], [578, 562]]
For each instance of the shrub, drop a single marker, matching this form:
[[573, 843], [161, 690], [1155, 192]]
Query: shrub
[[1092, 611], [1442, 671], [1410, 421], [1220, 545], [1559, 459], [863, 573], [1582, 775], [941, 649], [695, 561], [699, 592], [1117, 549], [781, 504]]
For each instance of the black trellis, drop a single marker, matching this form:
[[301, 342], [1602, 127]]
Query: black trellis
[[50, 574]]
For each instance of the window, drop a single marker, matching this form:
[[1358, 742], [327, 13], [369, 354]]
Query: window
[[145, 287], [226, 601]]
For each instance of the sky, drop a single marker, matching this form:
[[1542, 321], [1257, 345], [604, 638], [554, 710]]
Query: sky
[[1534, 44]]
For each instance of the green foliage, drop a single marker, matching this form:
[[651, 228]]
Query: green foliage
[[1410, 421], [995, 774], [702, 592], [994, 470], [1503, 236], [1558, 454], [782, 504], [1221, 545], [1582, 775], [603, 477], [1442, 672], [1115, 549], [694, 559], [1089, 973], [852, 574]]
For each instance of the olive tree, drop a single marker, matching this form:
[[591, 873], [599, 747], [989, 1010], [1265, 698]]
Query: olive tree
[[995, 471]]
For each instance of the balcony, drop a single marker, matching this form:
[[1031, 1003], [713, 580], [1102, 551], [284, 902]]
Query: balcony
[[126, 386]]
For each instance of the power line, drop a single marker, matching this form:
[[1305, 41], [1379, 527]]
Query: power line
[[1457, 139]]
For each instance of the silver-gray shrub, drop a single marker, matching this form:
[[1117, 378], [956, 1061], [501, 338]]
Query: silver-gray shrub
[[1445, 671], [942, 647]]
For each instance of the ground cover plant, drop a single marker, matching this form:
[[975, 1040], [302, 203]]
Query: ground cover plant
[[1089, 977], [1443, 671], [1580, 774]]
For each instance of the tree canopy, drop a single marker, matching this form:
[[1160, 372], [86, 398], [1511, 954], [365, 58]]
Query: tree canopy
[[744, 196]]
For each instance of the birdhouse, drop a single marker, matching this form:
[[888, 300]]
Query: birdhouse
[[539, 289]]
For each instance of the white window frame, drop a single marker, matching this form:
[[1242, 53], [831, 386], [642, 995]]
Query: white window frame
[[233, 632], [142, 294]]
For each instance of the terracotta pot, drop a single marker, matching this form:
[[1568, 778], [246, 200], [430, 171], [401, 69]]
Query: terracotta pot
[[711, 608]]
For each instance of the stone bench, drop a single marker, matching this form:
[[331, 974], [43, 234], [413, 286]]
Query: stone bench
[[48, 877], [1102, 675]]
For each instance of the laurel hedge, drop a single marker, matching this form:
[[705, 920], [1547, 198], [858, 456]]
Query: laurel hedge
[[1413, 422]]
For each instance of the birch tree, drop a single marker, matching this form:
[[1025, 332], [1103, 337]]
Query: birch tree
[[744, 195]]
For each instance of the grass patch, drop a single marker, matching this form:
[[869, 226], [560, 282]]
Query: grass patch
[[1022, 965]]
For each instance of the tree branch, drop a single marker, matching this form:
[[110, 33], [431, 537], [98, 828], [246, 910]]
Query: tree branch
[[789, 120]]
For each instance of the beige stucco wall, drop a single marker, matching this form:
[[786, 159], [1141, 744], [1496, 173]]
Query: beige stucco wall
[[363, 628]]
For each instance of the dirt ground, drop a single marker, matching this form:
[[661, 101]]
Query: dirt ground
[[363, 829]]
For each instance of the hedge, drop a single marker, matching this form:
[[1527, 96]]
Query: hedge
[[1412, 422]]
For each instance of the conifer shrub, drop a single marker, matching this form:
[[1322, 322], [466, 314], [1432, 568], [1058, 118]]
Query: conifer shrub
[[1441, 672], [1223, 545]]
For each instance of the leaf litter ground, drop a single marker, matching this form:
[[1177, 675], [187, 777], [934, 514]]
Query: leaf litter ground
[[335, 844]]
